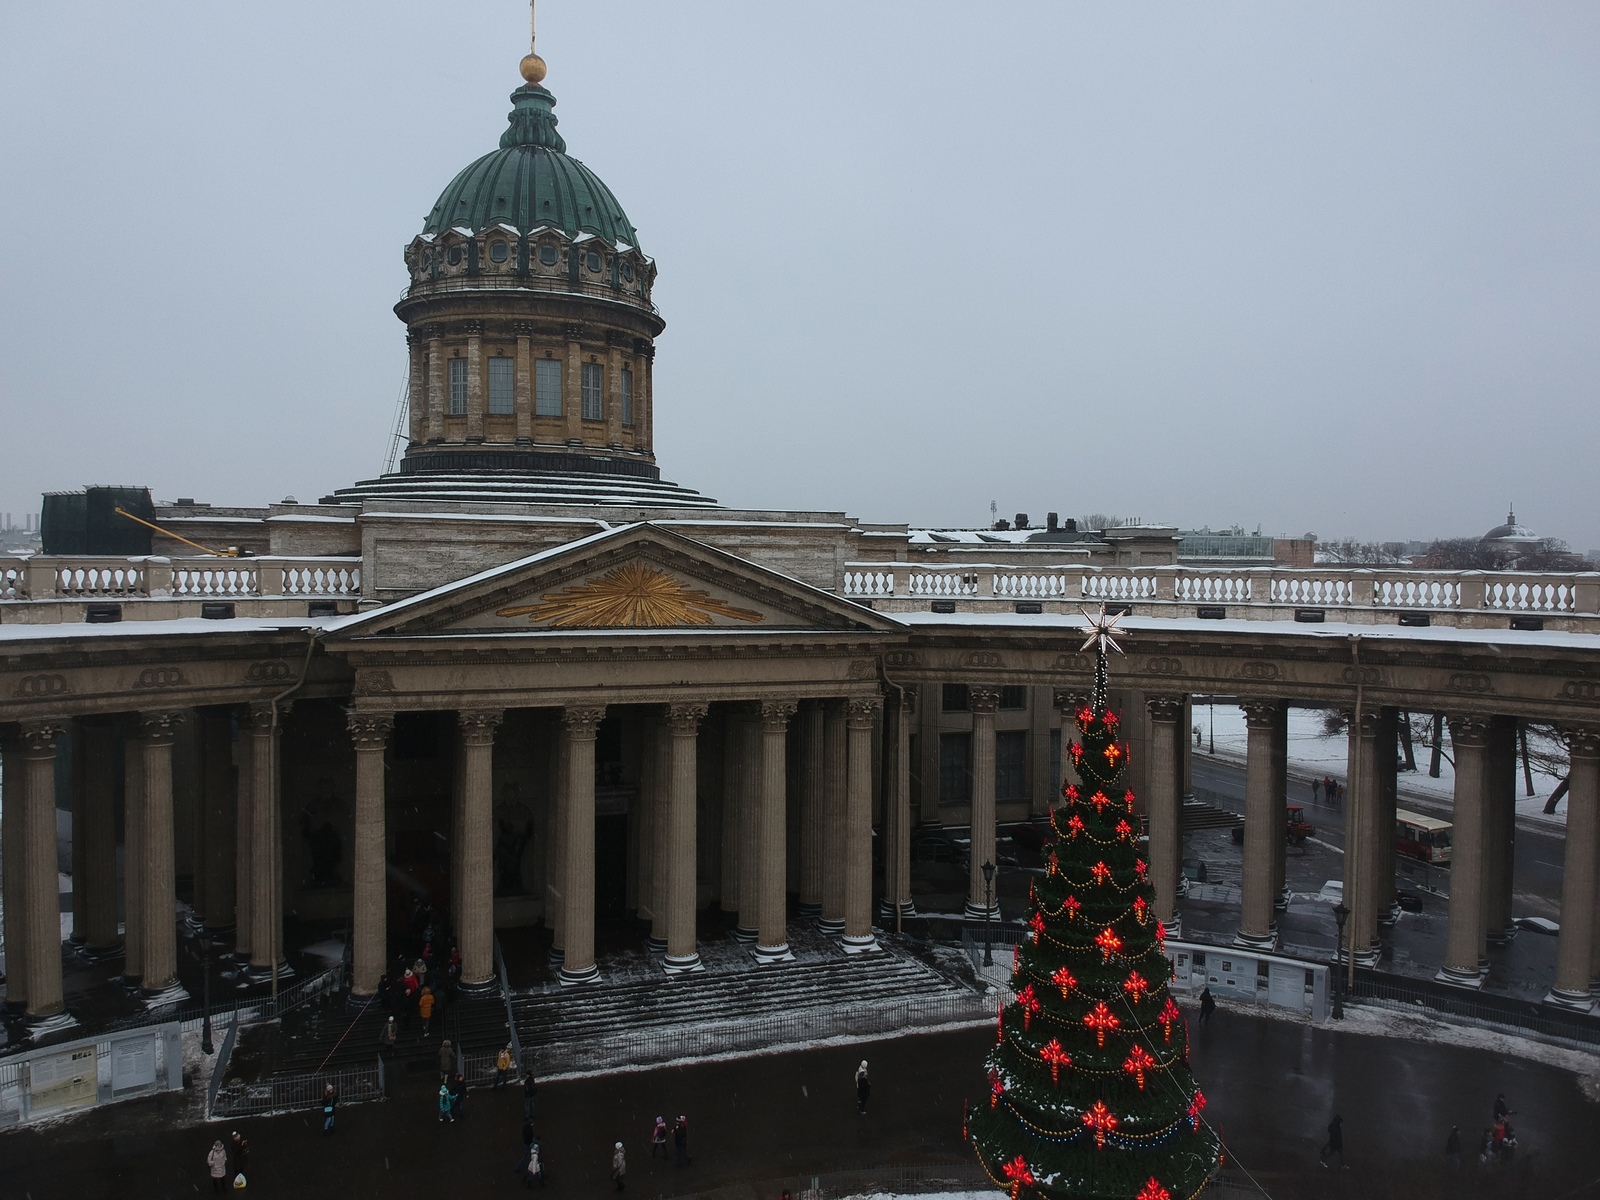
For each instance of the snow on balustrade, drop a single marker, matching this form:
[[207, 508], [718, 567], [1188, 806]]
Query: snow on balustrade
[[77, 580], [869, 583], [1292, 589], [1030, 585], [13, 582], [214, 581], [315, 580], [1118, 587], [1529, 595], [1214, 588], [1416, 593], [943, 583]]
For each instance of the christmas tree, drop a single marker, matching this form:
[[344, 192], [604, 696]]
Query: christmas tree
[[1090, 1093]]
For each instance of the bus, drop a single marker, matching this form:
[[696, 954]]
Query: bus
[[1424, 838]]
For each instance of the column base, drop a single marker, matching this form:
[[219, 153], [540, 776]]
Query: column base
[[262, 973], [580, 977], [656, 945], [832, 926], [1572, 1001], [1280, 902], [483, 987], [354, 1003], [1174, 925], [747, 937], [1256, 941], [173, 993], [128, 983], [683, 964], [97, 954], [1503, 937], [767, 955], [55, 1022], [977, 912], [808, 911], [1391, 917], [886, 912], [860, 944], [1463, 977], [556, 957]]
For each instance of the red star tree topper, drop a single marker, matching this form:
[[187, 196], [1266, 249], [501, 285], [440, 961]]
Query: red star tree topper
[[1090, 1093]]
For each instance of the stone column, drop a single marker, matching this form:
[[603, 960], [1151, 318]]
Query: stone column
[[214, 881], [369, 892], [1386, 785], [94, 829], [747, 742], [1163, 805], [436, 385], [1280, 817], [1501, 823], [734, 767], [1575, 948], [613, 411], [475, 397], [13, 833], [1263, 827], [476, 924], [523, 331], [984, 702], [132, 856], [158, 731], [243, 830], [858, 937], [572, 387], [416, 393], [683, 722], [812, 775], [1361, 838], [266, 841], [660, 751], [645, 819], [1470, 737], [582, 726], [40, 880], [835, 772], [772, 944], [556, 849], [897, 807]]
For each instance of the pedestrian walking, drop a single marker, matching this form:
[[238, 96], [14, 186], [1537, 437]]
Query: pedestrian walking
[[425, 1008], [1316, 791], [1335, 1143], [458, 1096], [527, 1149], [444, 1103], [504, 1064], [1486, 1150], [530, 1089], [217, 1165], [1502, 1110], [239, 1151], [658, 1138], [535, 1165], [680, 1141], [387, 1037], [1452, 1148], [1508, 1147], [619, 1167], [863, 1088], [330, 1101], [447, 1058], [1208, 1005]]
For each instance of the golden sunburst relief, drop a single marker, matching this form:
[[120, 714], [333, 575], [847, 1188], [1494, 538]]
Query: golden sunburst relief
[[632, 596]]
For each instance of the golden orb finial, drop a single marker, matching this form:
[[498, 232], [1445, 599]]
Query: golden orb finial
[[532, 68]]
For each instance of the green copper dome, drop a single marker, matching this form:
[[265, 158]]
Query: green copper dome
[[531, 181]]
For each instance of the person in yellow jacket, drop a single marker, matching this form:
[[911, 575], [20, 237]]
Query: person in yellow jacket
[[425, 1008], [504, 1064]]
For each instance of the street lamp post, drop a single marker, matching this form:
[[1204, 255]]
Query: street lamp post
[[1341, 914], [1213, 713], [988, 914], [205, 974]]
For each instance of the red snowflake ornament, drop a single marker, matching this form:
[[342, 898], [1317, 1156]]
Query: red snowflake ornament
[[1053, 1054], [1115, 753], [1170, 1016], [1036, 923], [1102, 1120], [1102, 1020], [1017, 1172], [1153, 1191], [1195, 1107], [997, 1088], [1138, 1062], [1070, 906], [1136, 986], [1063, 979], [1127, 798], [1099, 800], [1109, 942], [1075, 827], [1029, 1001], [1141, 909], [1100, 873], [1111, 719], [1141, 868], [1071, 790], [1124, 830]]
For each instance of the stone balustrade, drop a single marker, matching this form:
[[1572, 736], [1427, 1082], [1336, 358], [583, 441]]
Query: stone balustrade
[[1355, 594], [57, 578]]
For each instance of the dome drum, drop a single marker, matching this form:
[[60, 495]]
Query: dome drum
[[542, 259]]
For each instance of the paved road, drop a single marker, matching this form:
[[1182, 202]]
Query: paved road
[[1272, 1086]]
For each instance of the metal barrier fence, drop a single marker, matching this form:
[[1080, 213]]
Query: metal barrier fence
[[219, 1069], [703, 1040], [1486, 1011], [259, 1008], [72, 1076], [285, 1093]]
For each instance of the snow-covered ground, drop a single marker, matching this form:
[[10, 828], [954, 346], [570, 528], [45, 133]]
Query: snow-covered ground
[[1314, 753]]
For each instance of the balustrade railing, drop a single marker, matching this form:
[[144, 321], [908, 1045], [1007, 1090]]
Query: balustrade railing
[[41, 577], [1513, 594]]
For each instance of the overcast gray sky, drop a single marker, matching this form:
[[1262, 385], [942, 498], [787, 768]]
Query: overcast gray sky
[[1330, 268]]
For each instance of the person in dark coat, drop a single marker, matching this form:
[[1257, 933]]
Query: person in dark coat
[[1207, 1005], [1502, 1110], [239, 1146], [1452, 1147], [1335, 1144], [527, 1148], [863, 1088], [330, 1101], [458, 1096], [530, 1090], [658, 1138], [680, 1141]]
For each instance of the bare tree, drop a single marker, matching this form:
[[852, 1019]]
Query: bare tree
[[1362, 554]]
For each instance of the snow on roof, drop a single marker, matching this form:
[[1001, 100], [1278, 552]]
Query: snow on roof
[[165, 627]]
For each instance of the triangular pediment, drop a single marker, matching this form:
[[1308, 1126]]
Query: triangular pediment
[[635, 579]]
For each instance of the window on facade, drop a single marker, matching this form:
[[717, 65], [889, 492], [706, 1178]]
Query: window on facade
[[453, 256], [500, 386], [594, 376], [1013, 697], [627, 396], [499, 251], [548, 254], [955, 768], [547, 387], [955, 697], [458, 387], [592, 261], [1011, 765]]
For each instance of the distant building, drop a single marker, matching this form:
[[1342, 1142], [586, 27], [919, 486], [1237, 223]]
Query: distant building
[[1236, 548]]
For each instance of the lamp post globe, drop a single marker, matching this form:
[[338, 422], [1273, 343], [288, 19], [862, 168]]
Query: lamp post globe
[[988, 914], [205, 974]]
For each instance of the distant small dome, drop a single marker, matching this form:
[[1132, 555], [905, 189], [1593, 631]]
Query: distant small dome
[[1511, 534]]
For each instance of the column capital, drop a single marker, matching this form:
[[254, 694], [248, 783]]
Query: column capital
[[478, 725], [1068, 700], [775, 714], [684, 719], [472, 328], [160, 728], [1260, 714], [861, 710], [1583, 741], [258, 715], [1165, 710], [1469, 730], [370, 731], [582, 721], [984, 700], [40, 737], [522, 329]]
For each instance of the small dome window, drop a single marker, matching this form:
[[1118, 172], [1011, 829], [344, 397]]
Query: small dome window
[[627, 271], [498, 251], [453, 256], [548, 254], [593, 262]]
